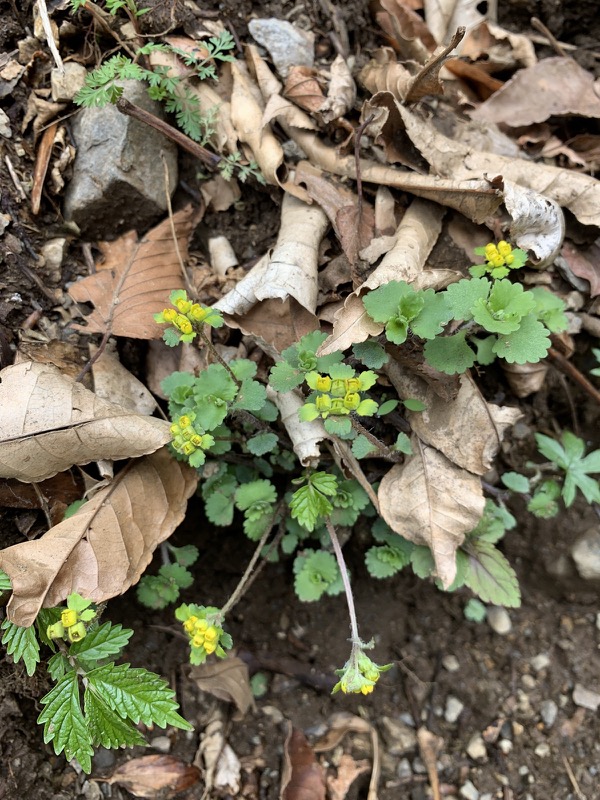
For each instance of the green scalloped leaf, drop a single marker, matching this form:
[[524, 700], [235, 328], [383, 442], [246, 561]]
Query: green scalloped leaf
[[263, 442], [529, 344], [371, 354], [490, 576], [449, 354], [462, 296], [436, 313]]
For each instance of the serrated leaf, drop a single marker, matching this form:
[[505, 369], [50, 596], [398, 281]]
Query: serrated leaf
[[504, 308], [5, 584], [551, 449], [550, 309], [372, 354], [155, 592], [263, 442], [243, 368], [324, 483], [185, 555], [308, 505], [362, 447], [102, 642], [383, 303], [219, 508], [463, 295], [58, 666], [485, 349], [474, 610], [515, 482], [138, 695], [385, 561], [106, 728], [178, 385], [449, 354], [338, 426], [64, 724], [21, 644], [283, 377], [421, 561], [490, 576], [529, 344]]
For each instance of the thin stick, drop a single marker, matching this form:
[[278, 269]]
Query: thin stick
[[210, 159], [46, 25], [242, 585], [564, 365], [186, 280], [345, 580], [385, 451], [219, 357], [539, 26], [357, 135]]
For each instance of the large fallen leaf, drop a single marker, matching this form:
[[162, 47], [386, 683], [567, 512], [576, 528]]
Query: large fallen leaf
[[466, 429], [431, 501], [302, 776], [554, 87], [228, 680], [496, 49], [155, 776], [134, 280], [51, 423], [105, 547], [443, 17], [116, 384]]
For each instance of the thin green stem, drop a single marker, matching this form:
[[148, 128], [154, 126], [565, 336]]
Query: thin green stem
[[345, 580], [215, 353], [385, 451]]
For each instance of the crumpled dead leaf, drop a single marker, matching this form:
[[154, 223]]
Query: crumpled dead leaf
[[304, 89], [104, 548], [116, 384], [156, 776], [496, 49], [228, 680], [51, 423], [584, 263], [406, 31], [348, 770], [134, 280], [221, 766], [431, 501], [466, 429], [444, 16], [554, 87], [302, 776], [341, 92]]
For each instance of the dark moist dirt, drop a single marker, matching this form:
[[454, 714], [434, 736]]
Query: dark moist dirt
[[298, 645]]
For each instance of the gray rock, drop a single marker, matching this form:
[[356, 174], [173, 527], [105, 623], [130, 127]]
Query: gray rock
[[404, 769], [476, 748], [161, 743], [542, 750], [5, 129], [66, 83], [400, 739], [499, 620], [287, 45], [548, 712], [468, 791], [586, 554], [451, 663], [454, 709], [540, 662], [118, 177], [586, 698]]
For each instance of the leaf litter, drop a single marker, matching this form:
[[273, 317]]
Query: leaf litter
[[435, 497]]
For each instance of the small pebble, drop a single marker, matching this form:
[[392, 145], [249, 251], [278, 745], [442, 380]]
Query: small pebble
[[273, 713], [528, 681], [404, 770], [540, 662], [407, 719], [452, 664], [161, 743], [499, 620], [486, 796], [468, 791], [419, 767], [586, 698], [548, 712], [597, 625], [454, 709], [476, 748], [542, 750], [505, 746], [524, 770]]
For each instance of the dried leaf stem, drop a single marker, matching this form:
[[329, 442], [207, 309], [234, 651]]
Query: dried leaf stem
[[564, 365], [355, 638]]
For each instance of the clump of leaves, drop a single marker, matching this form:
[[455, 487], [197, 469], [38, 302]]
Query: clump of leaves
[[157, 591], [203, 626]]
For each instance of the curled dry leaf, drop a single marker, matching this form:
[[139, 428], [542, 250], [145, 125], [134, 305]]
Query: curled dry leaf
[[305, 436], [431, 501], [525, 379], [339, 725], [156, 776], [104, 548], [228, 680], [303, 88], [584, 263], [221, 766], [554, 87], [51, 423], [302, 776], [134, 280], [498, 50], [445, 16], [406, 31], [466, 429], [348, 770], [538, 224], [341, 93]]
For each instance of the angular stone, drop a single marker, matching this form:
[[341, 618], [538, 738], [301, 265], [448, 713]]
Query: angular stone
[[476, 748], [454, 709], [287, 45], [586, 554], [468, 791], [400, 739], [118, 178], [586, 698], [66, 83]]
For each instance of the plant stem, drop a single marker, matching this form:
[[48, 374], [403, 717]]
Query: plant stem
[[218, 356], [345, 580], [385, 451]]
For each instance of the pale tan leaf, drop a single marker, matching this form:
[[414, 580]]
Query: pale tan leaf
[[104, 548], [51, 423], [538, 225], [275, 324], [431, 501], [348, 770], [303, 88], [443, 17], [466, 429], [554, 87], [117, 385], [385, 211], [302, 776], [305, 436], [228, 680], [220, 194], [341, 92], [584, 263], [498, 50], [341, 723], [352, 324], [156, 776], [525, 379], [134, 280]]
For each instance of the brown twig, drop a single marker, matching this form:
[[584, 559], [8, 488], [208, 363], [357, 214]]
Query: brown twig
[[564, 365], [210, 159], [184, 275], [539, 26], [357, 136], [383, 449], [98, 15]]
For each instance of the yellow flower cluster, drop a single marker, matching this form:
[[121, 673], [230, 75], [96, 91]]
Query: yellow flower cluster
[[201, 633], [499, 255], [69, 627], [186, 438]]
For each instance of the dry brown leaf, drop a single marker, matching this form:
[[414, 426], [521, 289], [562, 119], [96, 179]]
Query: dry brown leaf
[[156, 776], [275, 324], [52, 495], [445, 16], [385, 211], [104, 548], [431, 501], [51, 423], [115, 383], [476, 79], [67, 357], [467, 430], [302, 776], [42, 161], [406, 31], [228, 680], [341, 92], [303, 88], [348, 770], [220, 194], [134, 280], [554, 87], [584, 263], [498, 50], [341, 723]]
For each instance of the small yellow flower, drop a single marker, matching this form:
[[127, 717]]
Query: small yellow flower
[[198, 640], [337, 406], [504, 248], [197, 313], [338, 387], [497, 261], [210, 647], [183, 305], [366, 689], [323, 383], [490, 249], [352, 384], [201, 626], [196, 440], [182, 323], [212, 634], [352, 401], [76, 632], [184, 420], [68, 617], [323, 402], [175, 429], [56, 631], [190, 623], [187, 449], [509, 260], [169, 315]]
